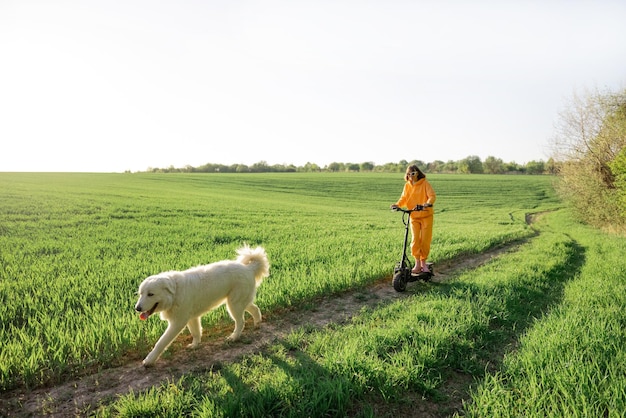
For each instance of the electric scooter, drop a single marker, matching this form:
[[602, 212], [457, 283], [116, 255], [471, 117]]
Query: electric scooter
[[402, 273]]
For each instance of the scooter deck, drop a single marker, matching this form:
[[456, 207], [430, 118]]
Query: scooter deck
[[422, 273], [427, 273], [424, 276]]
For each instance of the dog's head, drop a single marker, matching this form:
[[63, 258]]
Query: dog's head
[[156, 294]]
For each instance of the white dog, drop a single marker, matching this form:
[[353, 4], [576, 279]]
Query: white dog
[[182, 297]]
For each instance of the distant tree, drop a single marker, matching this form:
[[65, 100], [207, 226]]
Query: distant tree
[[389, 168], [493, 165], [471, 165], [513, 167], [353, 167], [335, 167], [450, 167], [535, 167], [259, 167], [367, 166], [206, 168], [281, 168], [311, 167], [435, 166]]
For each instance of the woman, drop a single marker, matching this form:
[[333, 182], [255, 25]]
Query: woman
[[418, 191]]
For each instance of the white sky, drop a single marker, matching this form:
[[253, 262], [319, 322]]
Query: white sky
[[114, 85]]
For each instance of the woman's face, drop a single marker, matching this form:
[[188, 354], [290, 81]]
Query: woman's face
[[412, 176]]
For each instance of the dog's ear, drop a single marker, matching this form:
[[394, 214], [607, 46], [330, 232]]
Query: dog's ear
[[168, 284]]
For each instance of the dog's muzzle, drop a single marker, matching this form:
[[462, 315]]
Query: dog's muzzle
[[146, 314]]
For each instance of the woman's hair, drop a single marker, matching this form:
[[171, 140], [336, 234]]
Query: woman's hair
[[413, 168]]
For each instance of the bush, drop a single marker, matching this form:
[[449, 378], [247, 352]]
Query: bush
[[590, 143]]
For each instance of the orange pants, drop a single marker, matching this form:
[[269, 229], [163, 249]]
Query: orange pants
[[422, 231]]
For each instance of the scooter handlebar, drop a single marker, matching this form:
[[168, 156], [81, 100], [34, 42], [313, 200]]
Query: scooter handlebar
[[415, 209]]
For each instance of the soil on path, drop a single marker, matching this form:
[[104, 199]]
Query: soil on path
[[83, 394]]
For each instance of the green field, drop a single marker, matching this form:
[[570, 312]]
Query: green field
[[74, 248]]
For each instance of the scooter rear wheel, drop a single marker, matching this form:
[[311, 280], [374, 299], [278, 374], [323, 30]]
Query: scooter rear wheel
[[399, 283]]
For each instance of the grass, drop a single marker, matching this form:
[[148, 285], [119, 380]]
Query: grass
[[534, 329], [536, 332], [81, 243], [572, 362]]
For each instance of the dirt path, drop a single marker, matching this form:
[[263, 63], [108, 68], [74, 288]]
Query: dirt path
[[83, 394]]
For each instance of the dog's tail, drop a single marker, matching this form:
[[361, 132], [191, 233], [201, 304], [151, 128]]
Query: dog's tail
[[257, 259]]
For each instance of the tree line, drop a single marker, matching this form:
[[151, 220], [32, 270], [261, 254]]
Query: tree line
[[470, 165]]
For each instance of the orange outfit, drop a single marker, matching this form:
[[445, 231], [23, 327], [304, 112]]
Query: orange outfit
[[419, 193]]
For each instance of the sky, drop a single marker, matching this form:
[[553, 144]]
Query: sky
[[127, 85]]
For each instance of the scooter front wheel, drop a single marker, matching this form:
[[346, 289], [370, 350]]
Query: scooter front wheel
[[399, 283]]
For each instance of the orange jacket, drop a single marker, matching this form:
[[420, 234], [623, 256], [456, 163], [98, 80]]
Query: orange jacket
[[418, 194]]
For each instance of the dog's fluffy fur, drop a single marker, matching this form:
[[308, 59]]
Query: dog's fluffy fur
[[182, 297]]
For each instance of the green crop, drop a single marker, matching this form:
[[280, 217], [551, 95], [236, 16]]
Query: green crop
[[74, 247], [536, 332]]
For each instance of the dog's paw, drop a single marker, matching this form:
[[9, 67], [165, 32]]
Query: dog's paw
[[193, 345], [149, 361]]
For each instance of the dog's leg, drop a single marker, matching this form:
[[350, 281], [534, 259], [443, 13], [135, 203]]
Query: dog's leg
[[195, 328], [173, 329], [255, 312], [237, 316]]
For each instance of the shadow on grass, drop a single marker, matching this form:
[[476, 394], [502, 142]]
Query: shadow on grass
[[295, 385], [515, 309]]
